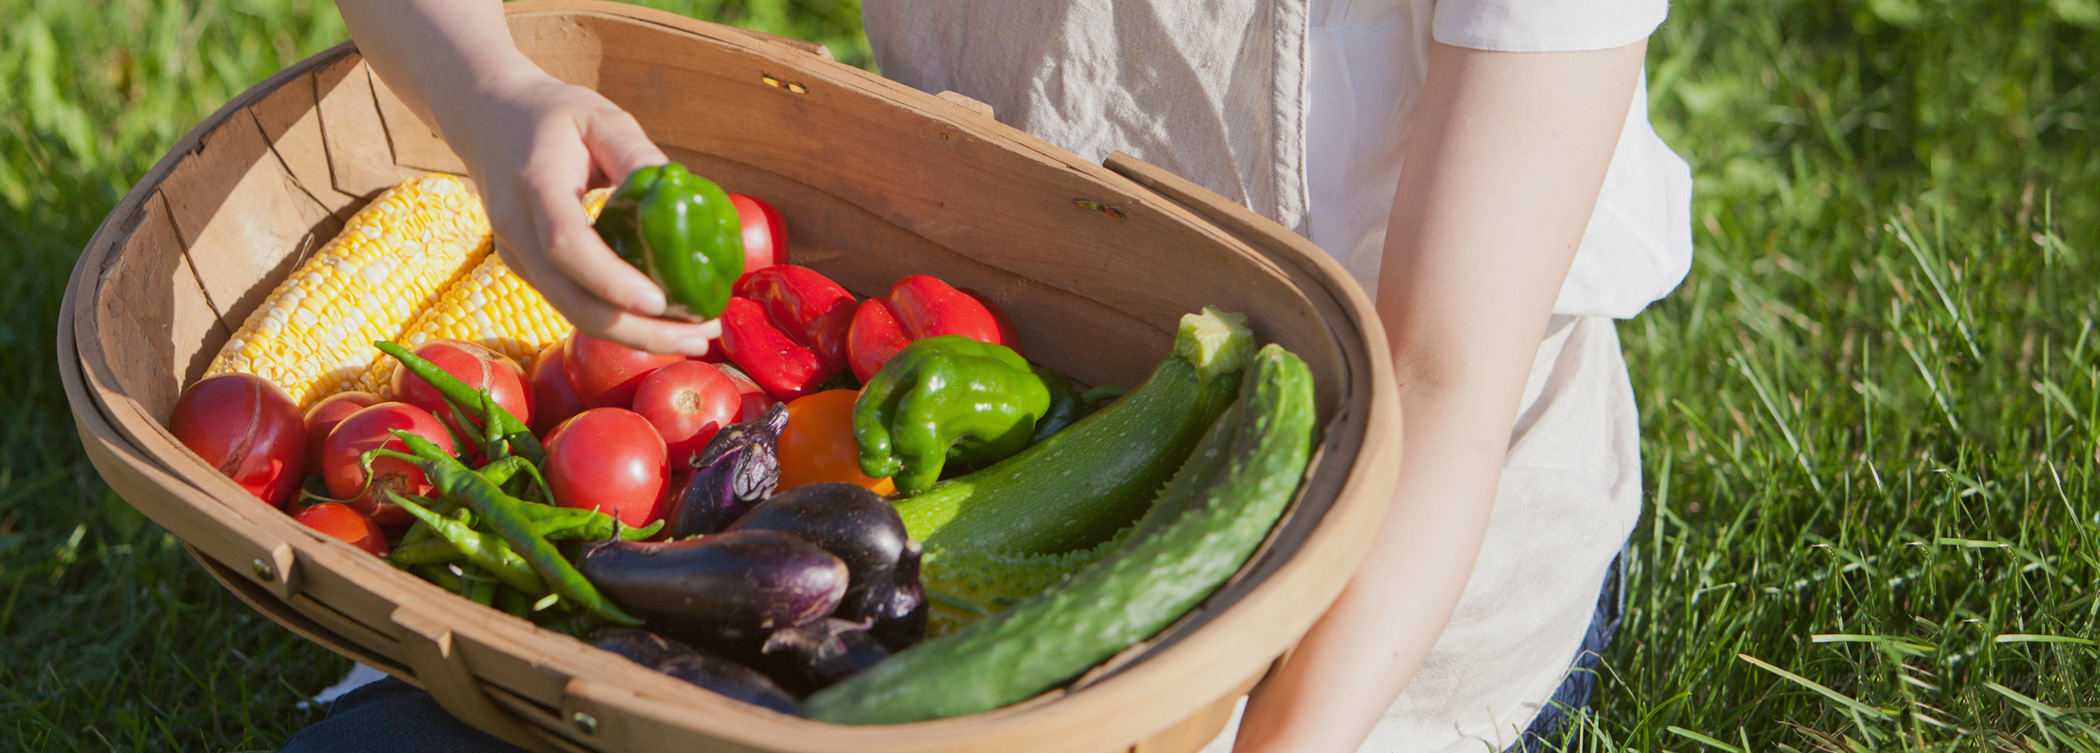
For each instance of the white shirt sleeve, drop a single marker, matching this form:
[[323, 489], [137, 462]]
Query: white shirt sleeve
[[1546, 25]]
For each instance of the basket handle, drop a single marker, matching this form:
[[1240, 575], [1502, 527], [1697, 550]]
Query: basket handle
[[812, 48], [433, 653], [967, 103]]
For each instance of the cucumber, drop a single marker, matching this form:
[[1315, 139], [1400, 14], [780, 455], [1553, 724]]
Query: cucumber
[[965, 585], [1226, 509], [1076, 488]]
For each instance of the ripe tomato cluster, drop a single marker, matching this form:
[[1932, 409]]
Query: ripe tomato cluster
[[619, 424]]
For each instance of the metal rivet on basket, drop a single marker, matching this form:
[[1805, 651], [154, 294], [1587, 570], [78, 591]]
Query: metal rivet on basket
[[585, 723], [263, 570]]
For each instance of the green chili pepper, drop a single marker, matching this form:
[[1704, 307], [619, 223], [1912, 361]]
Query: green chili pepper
[[458, 393], [1065, 406], [442, 576], [501, 513], [1095, 397], [513, 601], [484, 551], [945, 398], [681, 231], [478, 587]]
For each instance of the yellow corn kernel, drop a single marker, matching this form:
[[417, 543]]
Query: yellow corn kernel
[[313, 335]]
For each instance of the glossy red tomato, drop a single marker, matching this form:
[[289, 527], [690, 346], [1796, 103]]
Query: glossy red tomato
[[553, 401], [610, 460], [818, 443], [248, 429], [687, 402], [606, 374], [479, 367], [344, 523], [754, 399], [369, 429], [324, 414], [765, 232]]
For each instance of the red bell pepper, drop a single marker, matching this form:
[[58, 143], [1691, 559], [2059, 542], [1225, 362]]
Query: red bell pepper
[[1008, 336], [787, 328], [917, 306]]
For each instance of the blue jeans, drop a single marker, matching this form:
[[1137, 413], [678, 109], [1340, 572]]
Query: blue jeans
[[1574, 692], [391, 715]]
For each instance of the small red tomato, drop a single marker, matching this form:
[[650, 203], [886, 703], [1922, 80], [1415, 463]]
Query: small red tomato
[[818, 443], [370, 429], [344, 523], [553, 401], [248, 429], [479, 367], [325, 413], [765, 232], [606, 374], [687, 402], [754, 398], [610, 460]]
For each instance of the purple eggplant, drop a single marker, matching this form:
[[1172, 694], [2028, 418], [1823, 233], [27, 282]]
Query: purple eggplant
[[824, 652], [731, 679], [639, 646], [898, 606], [705, 670], [736, 469], [849, 521], [731, 586]]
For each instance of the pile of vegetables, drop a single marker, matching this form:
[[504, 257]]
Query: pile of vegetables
[[787, 521]]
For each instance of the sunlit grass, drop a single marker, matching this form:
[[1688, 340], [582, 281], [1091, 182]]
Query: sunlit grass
[[1868, 416]]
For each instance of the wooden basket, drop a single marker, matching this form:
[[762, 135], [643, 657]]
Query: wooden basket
[[1095, 263]]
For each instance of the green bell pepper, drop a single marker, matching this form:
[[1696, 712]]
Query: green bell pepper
[[945, 398], [681, 231]]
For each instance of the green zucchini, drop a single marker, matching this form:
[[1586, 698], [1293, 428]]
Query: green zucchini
[[1076, 488], [965, 585], [1225, 510]]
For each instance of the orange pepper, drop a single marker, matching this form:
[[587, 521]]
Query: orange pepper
[[818, 444]]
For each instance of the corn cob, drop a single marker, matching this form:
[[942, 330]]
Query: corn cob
[[490, 307], [313, 334]]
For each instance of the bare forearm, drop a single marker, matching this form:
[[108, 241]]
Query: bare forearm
[[1501, 173], [436, 51]]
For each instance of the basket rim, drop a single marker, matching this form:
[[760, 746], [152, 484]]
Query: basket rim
[[91, 389]]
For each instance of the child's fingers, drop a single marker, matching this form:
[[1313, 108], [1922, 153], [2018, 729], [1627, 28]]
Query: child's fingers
[[617, 143], [567, 239], [595, 317]]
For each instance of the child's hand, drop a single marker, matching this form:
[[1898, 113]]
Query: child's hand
[[534, 145]]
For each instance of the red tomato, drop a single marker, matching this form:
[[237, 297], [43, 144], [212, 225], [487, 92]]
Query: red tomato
[[344, 523], [479, 367], [754, 398], [610, 460], [687, 402], [818, 443], [370, 429], [553, 401], [917, 306], [248, 429], [323, 415], [606, 374], [765, 232]]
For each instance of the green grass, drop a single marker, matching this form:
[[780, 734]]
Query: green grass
[[1868, 415]]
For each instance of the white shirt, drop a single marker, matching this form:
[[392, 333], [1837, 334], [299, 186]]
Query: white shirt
[[1368, 59], [1294, 108]]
